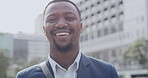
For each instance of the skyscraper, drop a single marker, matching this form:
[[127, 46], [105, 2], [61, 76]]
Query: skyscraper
[[6, 44], [109, 26], [39, 25]]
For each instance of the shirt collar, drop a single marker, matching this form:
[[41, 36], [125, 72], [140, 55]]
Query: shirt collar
[[54, 64], [77, 60]]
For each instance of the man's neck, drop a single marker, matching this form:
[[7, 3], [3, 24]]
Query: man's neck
[[64, 59]]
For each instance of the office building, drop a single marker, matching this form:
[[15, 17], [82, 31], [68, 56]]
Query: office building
[[110, 26], [39, 25], [6, 44], [30, 47]]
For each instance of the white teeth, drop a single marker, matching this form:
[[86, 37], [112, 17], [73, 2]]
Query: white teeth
[[62, 34]]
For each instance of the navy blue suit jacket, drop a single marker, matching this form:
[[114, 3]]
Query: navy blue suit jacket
[[88, 68]]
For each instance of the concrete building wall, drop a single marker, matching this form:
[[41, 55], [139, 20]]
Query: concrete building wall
[[39, 25], [38, 49], [102, 24], [6, 43], [110, 26], [20, 50], [37, 46]]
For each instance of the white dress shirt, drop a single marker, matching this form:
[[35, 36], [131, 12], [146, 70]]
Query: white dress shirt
[[60, 72]]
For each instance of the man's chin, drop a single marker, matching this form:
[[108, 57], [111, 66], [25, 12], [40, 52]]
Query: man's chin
[[64, 48]]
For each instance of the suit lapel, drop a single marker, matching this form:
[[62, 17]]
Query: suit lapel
[[83, 71]]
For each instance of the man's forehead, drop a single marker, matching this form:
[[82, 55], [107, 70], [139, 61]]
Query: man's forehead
[[60, 6]]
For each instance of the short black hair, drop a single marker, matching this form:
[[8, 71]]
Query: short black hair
[[53, 1]]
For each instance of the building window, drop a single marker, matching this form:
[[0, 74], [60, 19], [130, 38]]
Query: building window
[[86, 26], [142, 18], [106, 22], [96, 55], [105, 19], [113, 53], [105, 0], [81, 3], [86, 8], [113, 16], [86, 37], [113, 29], [120, 26], [98, 21], [92, 15], [83, 38], [92, 24], [92, 36], [121, 13], [86, 17], [104, 56], [98, 33], [98, 12], [105, 9], [113, 19], [92, 5], [98, 2], [121, 2], [112, 6], [106, 31]]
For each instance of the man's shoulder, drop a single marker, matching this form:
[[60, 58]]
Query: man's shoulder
[[31, 72], [99, 64], [95, 61], [98, 61], [99, 68]]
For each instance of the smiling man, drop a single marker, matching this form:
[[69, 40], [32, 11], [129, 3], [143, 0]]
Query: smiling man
[[62, 26]]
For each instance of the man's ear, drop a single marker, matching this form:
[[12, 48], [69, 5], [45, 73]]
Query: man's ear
[[81, 27], [44, 29]]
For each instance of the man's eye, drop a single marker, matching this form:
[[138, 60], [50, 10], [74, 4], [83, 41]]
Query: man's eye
[[51, 20], [70, 18]]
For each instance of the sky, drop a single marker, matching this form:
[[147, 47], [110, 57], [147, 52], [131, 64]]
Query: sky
[[19, 15]]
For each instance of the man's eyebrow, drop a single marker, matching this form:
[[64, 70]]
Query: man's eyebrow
[[65, 14], [50, 15], [70, 13]]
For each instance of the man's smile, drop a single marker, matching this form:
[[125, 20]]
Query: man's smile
[[62, 32]]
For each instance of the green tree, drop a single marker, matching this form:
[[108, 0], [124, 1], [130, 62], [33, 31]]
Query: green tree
[[138, 51], [4, 62], [35, 61], [21, 64]]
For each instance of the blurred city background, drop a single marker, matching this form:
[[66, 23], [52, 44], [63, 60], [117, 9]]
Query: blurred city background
[[115, 31]]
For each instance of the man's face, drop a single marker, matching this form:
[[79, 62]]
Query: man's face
[[62, 26]]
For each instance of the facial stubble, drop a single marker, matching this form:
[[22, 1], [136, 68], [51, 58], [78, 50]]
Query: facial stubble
[[64, 49]]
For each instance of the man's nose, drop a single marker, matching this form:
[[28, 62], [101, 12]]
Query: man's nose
[[61, 23]]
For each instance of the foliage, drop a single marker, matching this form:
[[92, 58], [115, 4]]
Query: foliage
[[35, 61], [1, 33], [4, 62], [21, 64], [138, 51]]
